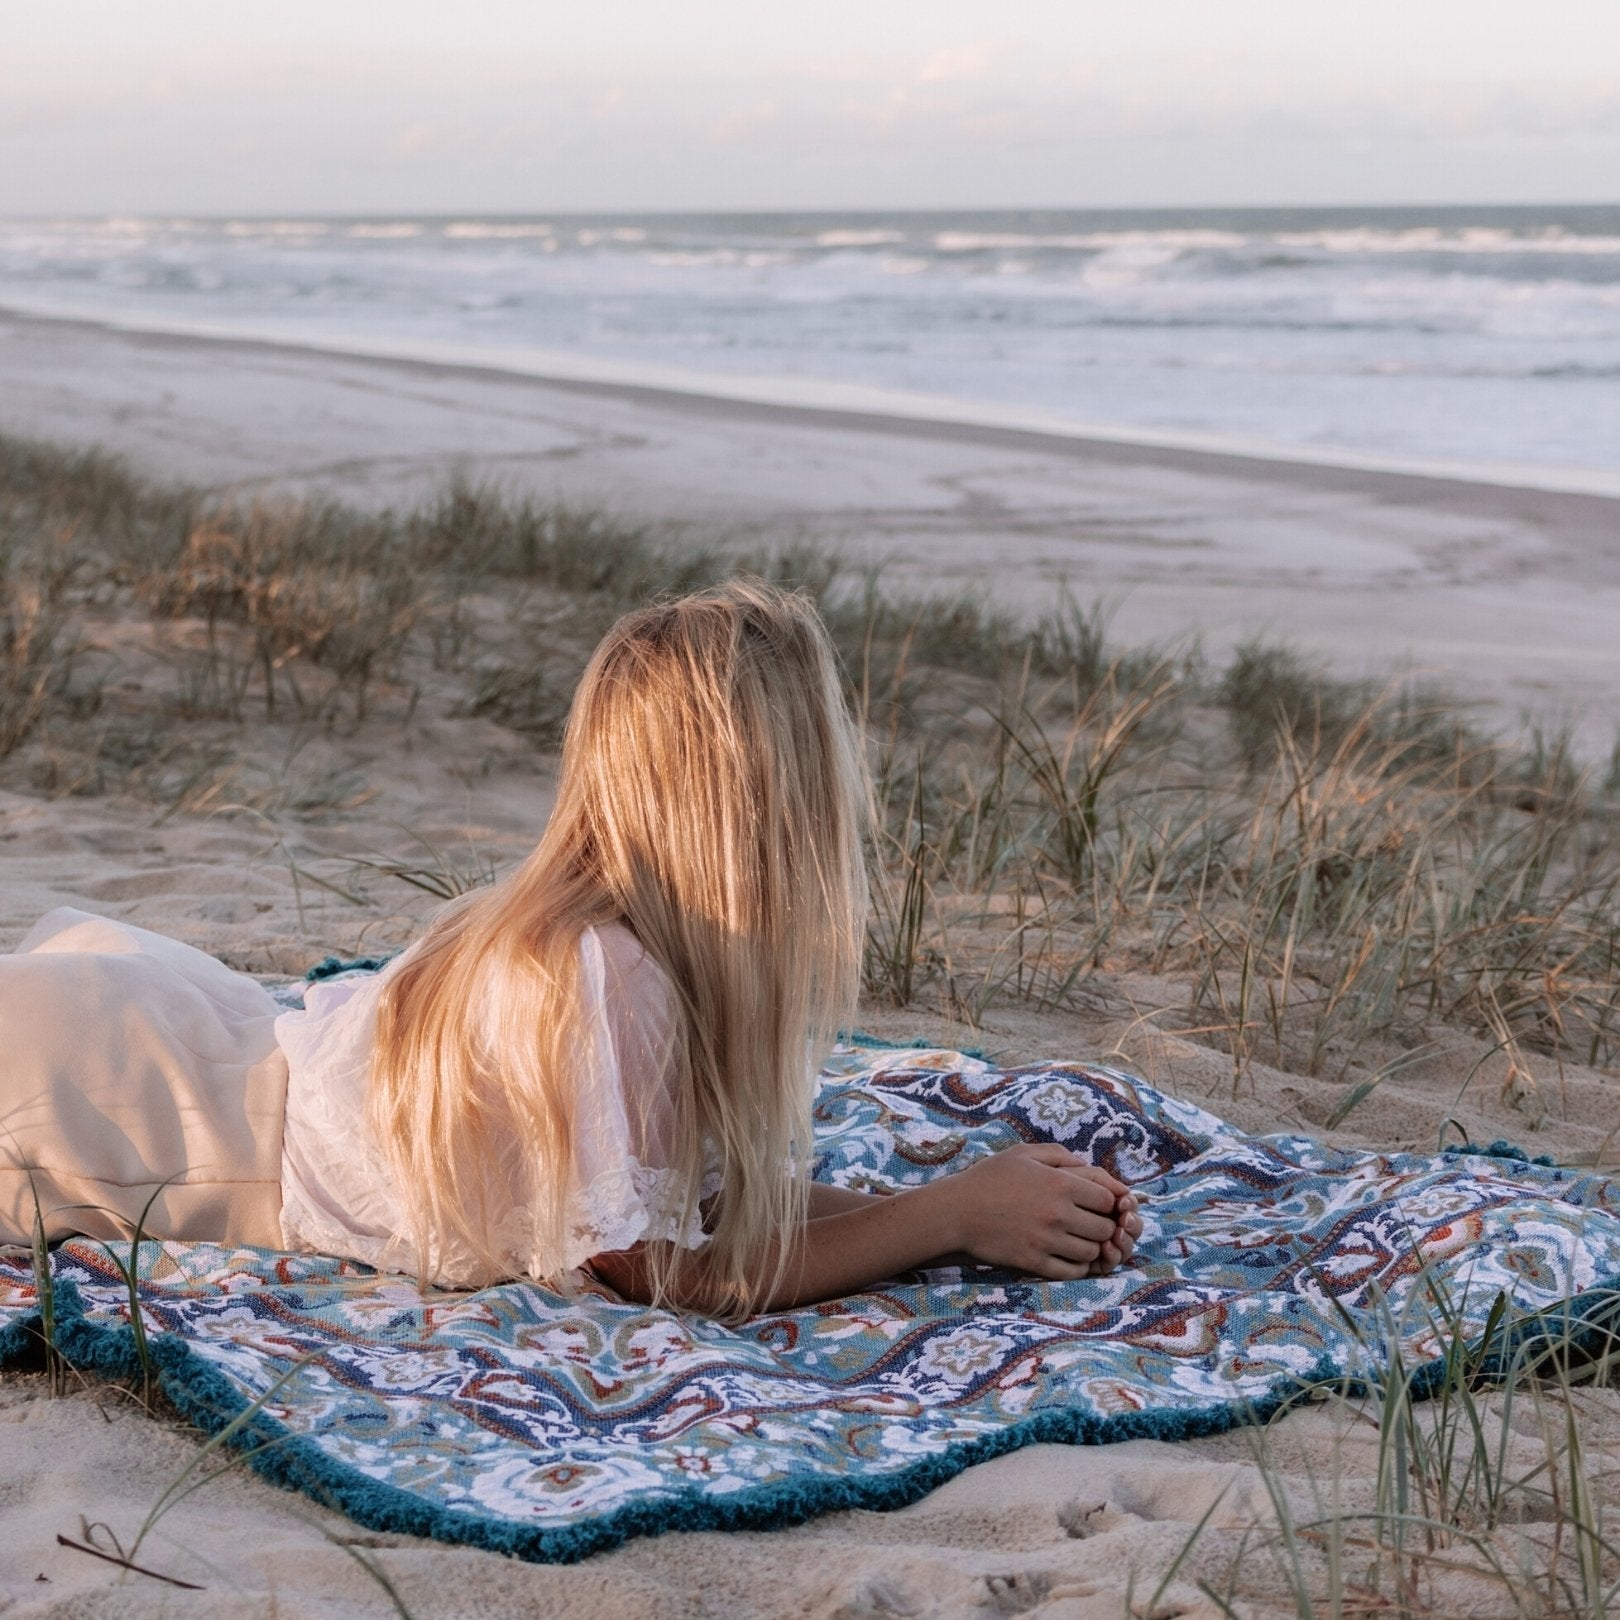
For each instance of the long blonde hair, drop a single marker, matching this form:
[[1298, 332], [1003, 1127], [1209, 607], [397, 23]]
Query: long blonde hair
[[712, 798]]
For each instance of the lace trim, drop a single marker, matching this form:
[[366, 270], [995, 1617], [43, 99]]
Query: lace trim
[[618, 1209], [635, 1204], [309, 1230]]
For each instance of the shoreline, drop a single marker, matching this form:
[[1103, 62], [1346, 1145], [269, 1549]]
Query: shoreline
[[1505, 596], [826, 403]]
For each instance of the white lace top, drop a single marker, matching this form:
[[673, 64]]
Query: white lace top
[[339, 1195]]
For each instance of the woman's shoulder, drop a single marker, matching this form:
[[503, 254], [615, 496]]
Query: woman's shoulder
[[627, 965], [633, 999], [618, 943]]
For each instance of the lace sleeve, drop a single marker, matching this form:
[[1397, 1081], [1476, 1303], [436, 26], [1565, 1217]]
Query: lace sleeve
[[625, 1189]]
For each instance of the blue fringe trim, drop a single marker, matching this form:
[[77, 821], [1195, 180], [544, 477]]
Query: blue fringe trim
[[1586, 1325], [1499, 1149], [330, 966], [205, 1398], [16, 1338], [859, 1037]]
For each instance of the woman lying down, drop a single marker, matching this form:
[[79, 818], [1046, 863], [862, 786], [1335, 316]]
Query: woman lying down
[[605, 1061]]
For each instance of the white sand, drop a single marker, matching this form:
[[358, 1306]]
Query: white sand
[[1063, 1532]]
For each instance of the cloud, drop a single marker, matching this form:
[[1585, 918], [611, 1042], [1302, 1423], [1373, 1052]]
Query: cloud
[[745, 124], [415, 140], [958, 62]]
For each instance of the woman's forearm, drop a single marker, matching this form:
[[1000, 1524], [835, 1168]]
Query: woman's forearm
[[853, 1240], [1034, 1208], [850, 1241], [825, 1200]]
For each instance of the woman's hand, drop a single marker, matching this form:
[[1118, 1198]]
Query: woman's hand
[[1040, 1209], [1035, 1208]]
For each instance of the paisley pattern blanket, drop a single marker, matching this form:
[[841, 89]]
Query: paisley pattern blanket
[[547, 1426]]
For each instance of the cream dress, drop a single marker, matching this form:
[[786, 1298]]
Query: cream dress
[[133, 1067]]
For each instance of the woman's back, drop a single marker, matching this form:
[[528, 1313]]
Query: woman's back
[[340, 1194]]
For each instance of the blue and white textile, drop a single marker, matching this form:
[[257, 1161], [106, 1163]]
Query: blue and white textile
[[525, 1421]]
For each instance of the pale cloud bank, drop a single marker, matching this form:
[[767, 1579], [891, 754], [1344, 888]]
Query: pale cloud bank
[[496, 106]]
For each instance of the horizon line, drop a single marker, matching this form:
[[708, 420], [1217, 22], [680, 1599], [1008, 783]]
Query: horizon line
[[913, 210]]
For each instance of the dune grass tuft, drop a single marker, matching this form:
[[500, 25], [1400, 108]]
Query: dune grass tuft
[[1464, 1483]]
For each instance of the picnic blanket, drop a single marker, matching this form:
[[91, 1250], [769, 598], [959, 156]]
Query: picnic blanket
[[548, 1426]]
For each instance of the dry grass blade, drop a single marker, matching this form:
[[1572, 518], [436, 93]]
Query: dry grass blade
[[895, 934], [117, 1555]]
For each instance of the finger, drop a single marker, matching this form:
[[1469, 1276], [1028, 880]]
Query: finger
[[1112, 1182], [1075, 1251], [1059, 1158], [1133, 1225], [1084, 1170], [1089, 1227], [1088, 1194]]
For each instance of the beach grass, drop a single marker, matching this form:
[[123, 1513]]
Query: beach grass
[[1470, 1482], [1333, 875], [1330, 868]]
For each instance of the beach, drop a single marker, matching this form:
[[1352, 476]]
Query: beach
[[1506, 596]]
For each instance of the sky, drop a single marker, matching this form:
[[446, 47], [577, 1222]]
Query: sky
[[521, 106]]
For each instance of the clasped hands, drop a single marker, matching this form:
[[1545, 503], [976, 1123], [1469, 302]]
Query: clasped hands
[[1042, 1210]]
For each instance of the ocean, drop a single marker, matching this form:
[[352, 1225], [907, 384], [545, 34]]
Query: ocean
[[1485, 340]]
